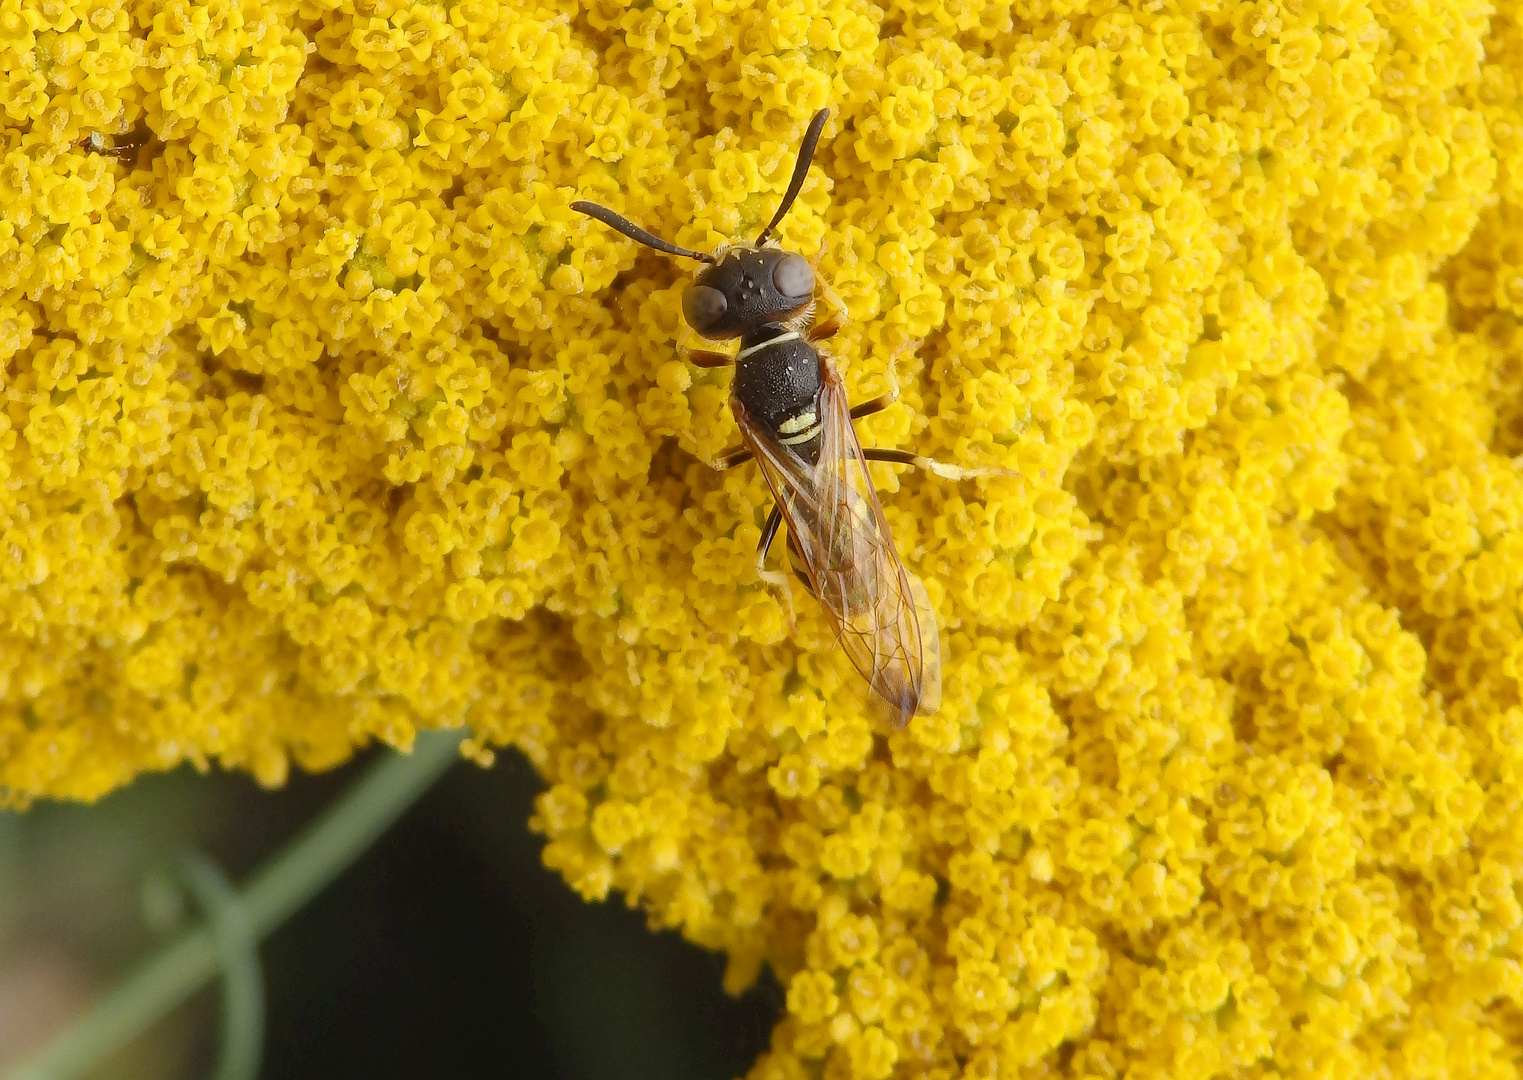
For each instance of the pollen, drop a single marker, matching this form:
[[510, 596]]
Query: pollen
[[326, 419]]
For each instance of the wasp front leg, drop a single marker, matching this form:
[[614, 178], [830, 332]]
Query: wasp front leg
[[831, 324], [690, 347]]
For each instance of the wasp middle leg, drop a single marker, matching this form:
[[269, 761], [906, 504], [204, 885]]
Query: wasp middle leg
[[888, 397], [735, 455], [739, 455], [876, 405]]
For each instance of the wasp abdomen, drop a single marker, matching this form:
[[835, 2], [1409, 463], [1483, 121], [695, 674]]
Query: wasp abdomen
[[777, 381]]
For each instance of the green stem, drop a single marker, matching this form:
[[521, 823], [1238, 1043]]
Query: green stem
[[238, 951], [318, 855]]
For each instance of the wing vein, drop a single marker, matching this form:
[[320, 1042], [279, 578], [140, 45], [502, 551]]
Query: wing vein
[[881, 616]]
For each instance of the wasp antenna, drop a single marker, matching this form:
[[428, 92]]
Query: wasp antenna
[[634, 232], [800, 170]]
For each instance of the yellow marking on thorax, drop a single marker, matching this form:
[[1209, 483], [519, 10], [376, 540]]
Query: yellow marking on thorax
[[803, 436], [795, 424], [791, 335]]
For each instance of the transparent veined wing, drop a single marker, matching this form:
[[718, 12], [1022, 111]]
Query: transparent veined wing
[[882, 616]]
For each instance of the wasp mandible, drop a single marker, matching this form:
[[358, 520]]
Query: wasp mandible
[[790, 404]]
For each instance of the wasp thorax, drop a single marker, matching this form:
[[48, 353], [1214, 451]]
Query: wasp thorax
[[746, 289]]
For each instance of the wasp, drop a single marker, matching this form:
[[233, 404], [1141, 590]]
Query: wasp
[[791, 406]]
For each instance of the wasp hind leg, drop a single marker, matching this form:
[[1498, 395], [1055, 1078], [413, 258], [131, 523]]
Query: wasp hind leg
[[940, 468], [775, 578]]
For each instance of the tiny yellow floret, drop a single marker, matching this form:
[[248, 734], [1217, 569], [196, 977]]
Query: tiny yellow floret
[[326, 419]]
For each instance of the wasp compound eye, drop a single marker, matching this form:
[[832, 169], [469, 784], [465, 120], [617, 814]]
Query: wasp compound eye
[[704, 307], [793, 276]]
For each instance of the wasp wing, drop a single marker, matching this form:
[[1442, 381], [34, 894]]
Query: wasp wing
[[883, 618]]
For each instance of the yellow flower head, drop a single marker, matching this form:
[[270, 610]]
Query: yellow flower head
[[326, 418]]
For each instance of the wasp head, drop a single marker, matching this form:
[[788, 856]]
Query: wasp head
[[745, 285], [745, 288]]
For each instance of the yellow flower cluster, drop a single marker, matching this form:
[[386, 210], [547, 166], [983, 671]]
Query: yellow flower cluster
[[325, 418]]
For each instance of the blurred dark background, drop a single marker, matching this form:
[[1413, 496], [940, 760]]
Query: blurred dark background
[[446, 951]]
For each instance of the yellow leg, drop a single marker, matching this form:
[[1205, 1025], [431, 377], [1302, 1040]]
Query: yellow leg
[[888, 397], [834, 319], [940, 468], [695, 350], [775, 578]]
